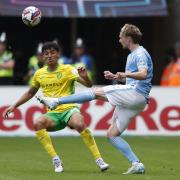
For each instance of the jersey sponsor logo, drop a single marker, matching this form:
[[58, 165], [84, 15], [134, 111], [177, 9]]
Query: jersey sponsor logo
[[51, 85]]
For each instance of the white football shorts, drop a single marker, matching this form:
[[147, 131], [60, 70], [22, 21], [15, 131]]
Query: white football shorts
[[128, 103]]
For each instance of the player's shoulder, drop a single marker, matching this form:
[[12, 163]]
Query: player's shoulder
[[140, 52], [41, 70], [66, 67]]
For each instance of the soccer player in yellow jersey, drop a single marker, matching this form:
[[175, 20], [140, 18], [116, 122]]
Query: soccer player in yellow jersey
[[55, 81]]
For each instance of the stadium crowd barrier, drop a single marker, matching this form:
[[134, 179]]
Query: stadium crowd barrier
[[160, 117]]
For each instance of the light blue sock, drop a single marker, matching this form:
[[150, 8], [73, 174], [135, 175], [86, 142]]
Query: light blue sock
[[121, 145], [78, 98]]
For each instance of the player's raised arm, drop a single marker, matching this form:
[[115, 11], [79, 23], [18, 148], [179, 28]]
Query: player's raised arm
[[24, 98], [83, 77], [140, 75]]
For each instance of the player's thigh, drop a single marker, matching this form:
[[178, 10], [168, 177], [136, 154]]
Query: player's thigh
[[120, 95], [62, 119], [59, 120], [76, 121], [43, 122], [123, 116]]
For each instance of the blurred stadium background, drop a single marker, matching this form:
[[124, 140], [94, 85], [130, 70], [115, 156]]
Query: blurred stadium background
[[98, 23]]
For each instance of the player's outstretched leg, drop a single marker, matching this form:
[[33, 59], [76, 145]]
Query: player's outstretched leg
[[51, 103], [82, 97], [121, 145], [45, 140]]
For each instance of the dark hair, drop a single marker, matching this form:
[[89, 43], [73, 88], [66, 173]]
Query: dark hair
[[132, 31], [50, 45]]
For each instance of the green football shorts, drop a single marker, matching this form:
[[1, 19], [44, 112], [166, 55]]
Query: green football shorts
[[61, 119]]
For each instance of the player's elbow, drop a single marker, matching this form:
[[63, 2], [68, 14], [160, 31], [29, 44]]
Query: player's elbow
[[89, 85], [143, 75]]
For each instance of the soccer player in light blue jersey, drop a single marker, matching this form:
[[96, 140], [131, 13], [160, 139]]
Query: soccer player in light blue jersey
[[129, 100]]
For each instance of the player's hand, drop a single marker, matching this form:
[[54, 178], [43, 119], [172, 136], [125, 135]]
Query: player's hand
[[109, 75], [82, 71], [119, 76], [8, 111]]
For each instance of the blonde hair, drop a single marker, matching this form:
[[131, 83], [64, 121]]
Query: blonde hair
[[132, 31]]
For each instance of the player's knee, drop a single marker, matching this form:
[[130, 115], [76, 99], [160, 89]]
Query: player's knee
[[37, 127], [97, 91], [39, 124], [109, 134], [77, 122], [80, 126]]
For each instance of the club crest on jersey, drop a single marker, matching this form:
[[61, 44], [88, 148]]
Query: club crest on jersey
[[59, 75]]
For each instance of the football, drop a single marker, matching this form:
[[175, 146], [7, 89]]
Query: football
[[31, 16]]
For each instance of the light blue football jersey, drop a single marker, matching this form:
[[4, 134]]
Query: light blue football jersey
[[137, 59]]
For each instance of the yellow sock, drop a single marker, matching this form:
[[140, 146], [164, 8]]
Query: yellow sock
[[90, 143], [45, 140]]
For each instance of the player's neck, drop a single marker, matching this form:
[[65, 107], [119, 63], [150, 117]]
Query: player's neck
[[133, 47], [52, 67]]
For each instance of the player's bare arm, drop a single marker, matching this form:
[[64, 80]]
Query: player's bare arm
[[24, 98], [140, 75], [83, 77]]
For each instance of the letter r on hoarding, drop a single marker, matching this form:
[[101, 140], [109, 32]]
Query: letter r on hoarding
[[146, 115]]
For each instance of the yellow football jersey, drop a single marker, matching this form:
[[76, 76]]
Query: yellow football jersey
[[57, 83]]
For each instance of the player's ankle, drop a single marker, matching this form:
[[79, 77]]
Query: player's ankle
[[135, 162], [96, 159], [56, 157]]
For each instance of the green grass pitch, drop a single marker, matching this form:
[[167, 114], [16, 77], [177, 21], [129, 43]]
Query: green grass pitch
[[25, 159]]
